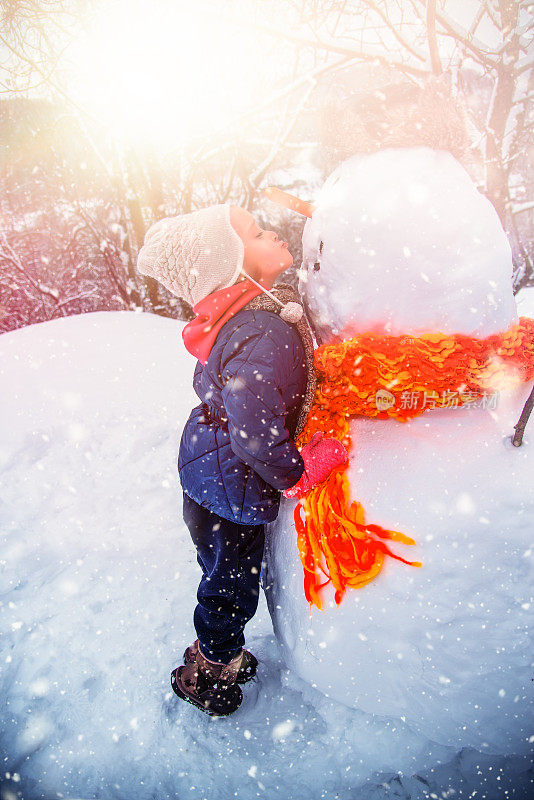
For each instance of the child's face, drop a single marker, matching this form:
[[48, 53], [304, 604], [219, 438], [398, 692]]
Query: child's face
[[265, 256]]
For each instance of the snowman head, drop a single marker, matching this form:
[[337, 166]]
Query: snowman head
[[400, 241]]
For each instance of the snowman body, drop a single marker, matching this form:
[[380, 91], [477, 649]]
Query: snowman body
[[402, 242]]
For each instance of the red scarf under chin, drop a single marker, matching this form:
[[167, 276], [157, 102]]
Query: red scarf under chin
[[212, 312]]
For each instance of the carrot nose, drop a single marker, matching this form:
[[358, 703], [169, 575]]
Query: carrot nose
[[289, 201]]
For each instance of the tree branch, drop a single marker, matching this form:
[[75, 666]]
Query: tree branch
[[475, 46], [517, 439], [392, 28], [431, 35]]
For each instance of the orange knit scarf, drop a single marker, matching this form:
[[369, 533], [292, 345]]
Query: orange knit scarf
[[389, 377]]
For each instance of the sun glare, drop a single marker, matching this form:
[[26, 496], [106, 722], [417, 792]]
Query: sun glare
[[164, 73]]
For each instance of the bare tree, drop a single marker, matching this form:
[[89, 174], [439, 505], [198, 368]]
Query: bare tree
[[417, 38], [483, 57]]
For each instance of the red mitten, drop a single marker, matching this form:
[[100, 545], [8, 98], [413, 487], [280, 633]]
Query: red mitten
[[320, 456]]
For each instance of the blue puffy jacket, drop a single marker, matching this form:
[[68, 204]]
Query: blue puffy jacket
[[236, 451]]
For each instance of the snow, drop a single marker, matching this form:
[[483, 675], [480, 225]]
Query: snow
[[405, 243], [98, 585], [445, 646], [525, 302]]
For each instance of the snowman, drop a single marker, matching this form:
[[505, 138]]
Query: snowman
[[400, 242]]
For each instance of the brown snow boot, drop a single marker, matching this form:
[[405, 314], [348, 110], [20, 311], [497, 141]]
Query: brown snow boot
[[246, 671], [209, 685]]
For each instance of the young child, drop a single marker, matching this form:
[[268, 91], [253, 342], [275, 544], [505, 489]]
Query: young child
[[255, 380]]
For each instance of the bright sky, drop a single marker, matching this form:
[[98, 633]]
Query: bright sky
[[164, 71]]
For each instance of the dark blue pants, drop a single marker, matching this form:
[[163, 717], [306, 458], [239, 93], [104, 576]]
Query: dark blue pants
[[230, 556]]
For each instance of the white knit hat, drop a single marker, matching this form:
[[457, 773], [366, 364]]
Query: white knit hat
[[193, 254]]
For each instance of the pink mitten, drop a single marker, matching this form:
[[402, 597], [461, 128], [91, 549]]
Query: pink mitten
[[320, 456]]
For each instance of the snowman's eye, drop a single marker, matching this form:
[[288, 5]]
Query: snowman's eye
[[317, 265]]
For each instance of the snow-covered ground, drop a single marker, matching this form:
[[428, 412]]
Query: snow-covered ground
[[98, 584]]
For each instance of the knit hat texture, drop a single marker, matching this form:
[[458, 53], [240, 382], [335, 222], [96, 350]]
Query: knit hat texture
[[193, 254]]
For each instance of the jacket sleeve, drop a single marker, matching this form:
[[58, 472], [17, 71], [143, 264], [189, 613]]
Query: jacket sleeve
[[256, 410]]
